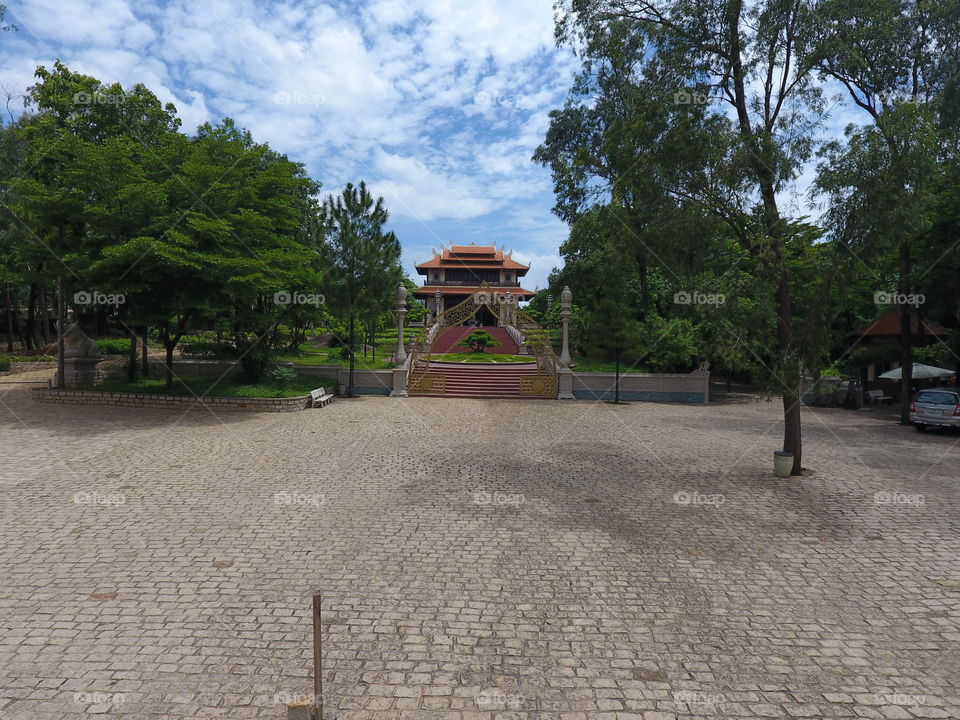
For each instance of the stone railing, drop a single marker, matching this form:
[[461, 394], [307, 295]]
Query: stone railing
[[170, 402]]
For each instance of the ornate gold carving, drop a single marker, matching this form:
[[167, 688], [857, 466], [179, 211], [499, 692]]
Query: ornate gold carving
[[538, 385]]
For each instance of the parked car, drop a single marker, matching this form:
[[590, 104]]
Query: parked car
[[935, 408]]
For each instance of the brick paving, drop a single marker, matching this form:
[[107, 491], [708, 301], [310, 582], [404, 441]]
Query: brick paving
[[479, 560]]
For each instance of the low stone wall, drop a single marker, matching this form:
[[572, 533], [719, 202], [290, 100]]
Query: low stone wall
[[170, 402], [22, 367], [692, 388], [366, 382]]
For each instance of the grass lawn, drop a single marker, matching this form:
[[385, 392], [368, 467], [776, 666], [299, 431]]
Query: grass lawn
[[587, 364], [481, 358], [306, 354], [227, 387]]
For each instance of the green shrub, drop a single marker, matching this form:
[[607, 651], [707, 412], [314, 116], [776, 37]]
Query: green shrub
[[255, 359], [283, 377], [4, 364], [207, 349], [114, 346]]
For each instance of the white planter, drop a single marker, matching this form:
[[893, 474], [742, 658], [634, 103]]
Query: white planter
[[782, 463]]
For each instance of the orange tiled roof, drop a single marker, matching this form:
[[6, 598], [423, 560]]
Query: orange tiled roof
[[889, 324], [473, 256]]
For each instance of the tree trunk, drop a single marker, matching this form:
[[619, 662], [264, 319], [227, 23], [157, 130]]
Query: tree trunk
[[168, 359], [8, 299], [30, 333], [61, 327], [44, 317], [350, 349], [792, 436], [132, 357], [906, 341], [144, 363]]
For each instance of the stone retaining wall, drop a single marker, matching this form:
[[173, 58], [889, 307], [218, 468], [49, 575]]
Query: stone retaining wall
[[694, 388], [170, 402]]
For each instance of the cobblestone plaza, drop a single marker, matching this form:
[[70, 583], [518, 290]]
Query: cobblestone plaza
[[477, 560]]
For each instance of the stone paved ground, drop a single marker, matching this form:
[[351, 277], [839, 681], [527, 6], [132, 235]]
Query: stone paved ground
[[479, 560]]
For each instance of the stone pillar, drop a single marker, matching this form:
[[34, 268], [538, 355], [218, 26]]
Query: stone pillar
[[549, 302], [565, 298], [564, 373], [508, 307], [437, 303], [400, 356], [80, 373]]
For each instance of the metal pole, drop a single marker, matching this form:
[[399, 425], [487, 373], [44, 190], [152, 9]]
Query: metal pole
[[317, 659]]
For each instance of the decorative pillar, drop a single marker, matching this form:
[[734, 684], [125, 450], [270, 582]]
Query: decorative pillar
[[549, 302], [437, 302], [400, 356], [564, 373], [508, 307]]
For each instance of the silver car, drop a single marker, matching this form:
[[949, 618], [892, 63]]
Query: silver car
[[935, 408]]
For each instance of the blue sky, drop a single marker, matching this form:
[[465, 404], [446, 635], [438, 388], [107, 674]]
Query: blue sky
[[438, 105]]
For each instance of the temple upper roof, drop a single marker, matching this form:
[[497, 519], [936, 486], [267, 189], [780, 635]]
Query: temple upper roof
[[473, 256]]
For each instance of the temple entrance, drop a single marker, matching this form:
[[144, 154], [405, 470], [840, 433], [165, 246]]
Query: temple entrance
[[501, 316]]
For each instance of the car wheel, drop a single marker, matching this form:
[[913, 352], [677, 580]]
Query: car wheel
[[920, 427]]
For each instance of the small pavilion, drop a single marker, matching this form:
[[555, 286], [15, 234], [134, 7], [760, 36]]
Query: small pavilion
[[455, 273]]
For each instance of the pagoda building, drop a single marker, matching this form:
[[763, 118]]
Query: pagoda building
[[455, 273]]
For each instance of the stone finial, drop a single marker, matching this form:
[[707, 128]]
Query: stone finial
[[401, 294], [566, 296]]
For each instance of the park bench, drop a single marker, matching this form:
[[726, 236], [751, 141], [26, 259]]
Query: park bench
[[320, 397], [878, 396]]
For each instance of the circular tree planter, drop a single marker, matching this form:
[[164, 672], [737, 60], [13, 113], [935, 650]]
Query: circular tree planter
[[782, 463]]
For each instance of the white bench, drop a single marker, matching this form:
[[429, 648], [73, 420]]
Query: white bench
[[320, 397], [878, 396]]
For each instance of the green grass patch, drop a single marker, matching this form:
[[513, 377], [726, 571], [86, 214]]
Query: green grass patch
[[307, 355], [227, 387], [588, 364], [482, 358]]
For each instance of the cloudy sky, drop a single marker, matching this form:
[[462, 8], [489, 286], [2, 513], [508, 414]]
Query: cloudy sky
[[437, 104]]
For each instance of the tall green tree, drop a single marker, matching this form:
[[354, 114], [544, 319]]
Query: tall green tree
[[896, 59], [740, 103], [364, 260]]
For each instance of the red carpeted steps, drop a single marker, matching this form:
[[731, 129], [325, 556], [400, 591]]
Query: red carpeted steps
[[479, 381], [447, 342]]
